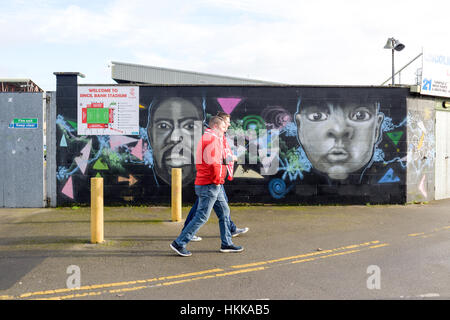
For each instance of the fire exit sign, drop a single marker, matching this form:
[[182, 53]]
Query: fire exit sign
[[24, 123]]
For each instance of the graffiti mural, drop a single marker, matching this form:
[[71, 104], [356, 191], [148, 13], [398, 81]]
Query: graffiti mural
[[172, 124], [421, 149], [300, 145], [339, 136]]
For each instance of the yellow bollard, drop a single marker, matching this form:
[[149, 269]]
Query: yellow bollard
[[176, 194], [96, 210]]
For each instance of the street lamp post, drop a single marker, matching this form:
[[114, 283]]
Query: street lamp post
[[394, 45]]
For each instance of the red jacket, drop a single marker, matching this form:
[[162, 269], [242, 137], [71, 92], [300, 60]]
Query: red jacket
[[228, 156], [209, 159]]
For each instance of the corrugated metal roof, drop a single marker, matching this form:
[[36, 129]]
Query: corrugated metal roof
[[19, 85], [128, 72]]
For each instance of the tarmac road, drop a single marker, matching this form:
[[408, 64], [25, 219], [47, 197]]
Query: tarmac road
[[291, 253]]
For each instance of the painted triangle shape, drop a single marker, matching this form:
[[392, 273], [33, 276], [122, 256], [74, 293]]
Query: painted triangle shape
[[68, 188], [250, 174], [63, 142], [137, 150], [83, 160], [395, 136], [389, 177], [100, 165], [116, 141], [422, 187], [228, 104], [73, 124]]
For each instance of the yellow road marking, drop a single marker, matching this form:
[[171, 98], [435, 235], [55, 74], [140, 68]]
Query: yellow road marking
[[239, 271], [416, 234], [339, 254], [428, 234], [127, 289], [201, 275], [379, 245], [304, 255], [327, 256], [156, 285], [304, 260], [116, 284]]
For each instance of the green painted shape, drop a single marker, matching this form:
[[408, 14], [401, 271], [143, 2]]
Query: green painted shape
[[395, 136], [98, 175], [99, 165], [73, 124]]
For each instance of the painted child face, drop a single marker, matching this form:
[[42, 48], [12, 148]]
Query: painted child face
[[171, 132], [338, 137]]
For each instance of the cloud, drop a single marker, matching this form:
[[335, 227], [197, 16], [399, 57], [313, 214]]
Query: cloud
[[301, 42]]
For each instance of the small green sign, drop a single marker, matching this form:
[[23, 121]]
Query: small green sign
[[26, 120], [28, 123]]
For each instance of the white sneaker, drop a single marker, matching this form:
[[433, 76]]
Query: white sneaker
[[239, 231], [196, 238]]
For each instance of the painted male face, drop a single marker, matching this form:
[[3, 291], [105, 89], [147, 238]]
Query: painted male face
[[172, 137], [338, 138]]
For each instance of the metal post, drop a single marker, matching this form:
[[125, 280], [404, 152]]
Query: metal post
[[393, 69], [176, 194], [96, 210]]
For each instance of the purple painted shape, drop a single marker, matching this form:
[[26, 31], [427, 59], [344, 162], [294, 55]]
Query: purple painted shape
[[228, 104], [137, 150], [82, 161], [68, 188], [422, 187], [116, 141]]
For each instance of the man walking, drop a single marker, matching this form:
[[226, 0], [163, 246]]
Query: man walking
[[229, 159], [211, 174]]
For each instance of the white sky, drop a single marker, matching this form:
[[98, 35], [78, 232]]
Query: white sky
[[297, 42]]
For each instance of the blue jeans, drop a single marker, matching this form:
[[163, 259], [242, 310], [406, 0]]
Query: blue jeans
[[209, 196], [194, 209]]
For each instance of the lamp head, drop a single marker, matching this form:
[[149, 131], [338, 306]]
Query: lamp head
[[392, 43], [398, 46], [389, 44]]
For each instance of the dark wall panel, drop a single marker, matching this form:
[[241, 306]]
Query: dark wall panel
[[334, 145]]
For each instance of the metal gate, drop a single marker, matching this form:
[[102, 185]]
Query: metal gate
[[442, 177], [22, 150]]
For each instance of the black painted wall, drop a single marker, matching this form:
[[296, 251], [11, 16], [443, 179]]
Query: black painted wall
[[335, 145]]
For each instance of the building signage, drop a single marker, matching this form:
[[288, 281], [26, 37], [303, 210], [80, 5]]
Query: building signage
[[436, 74], [108, 110], [24, 123]]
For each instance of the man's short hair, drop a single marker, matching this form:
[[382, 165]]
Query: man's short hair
[[222, 114], [215, 121]]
